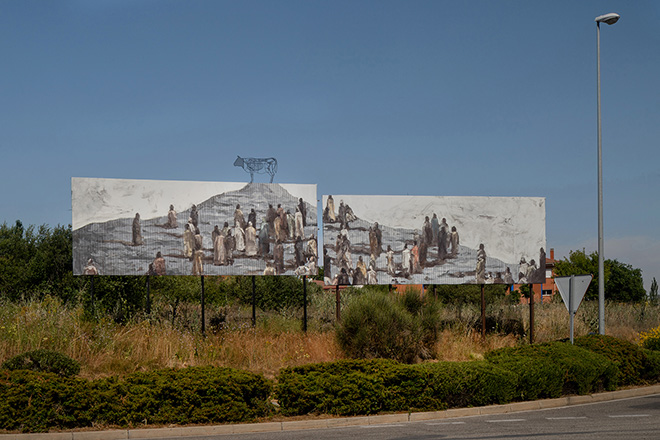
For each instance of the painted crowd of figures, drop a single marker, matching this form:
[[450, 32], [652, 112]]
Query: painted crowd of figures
[[432, 245], [278, 227], [434, 233], [281, 234]]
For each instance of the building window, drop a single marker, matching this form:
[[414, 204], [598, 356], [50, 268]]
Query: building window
[[547, 293]]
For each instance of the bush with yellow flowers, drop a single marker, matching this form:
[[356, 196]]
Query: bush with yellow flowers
[[650, 339]]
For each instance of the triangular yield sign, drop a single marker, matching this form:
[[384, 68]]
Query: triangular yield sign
[[580, 285]]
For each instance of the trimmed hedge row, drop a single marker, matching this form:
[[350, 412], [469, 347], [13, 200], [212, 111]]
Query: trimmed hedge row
[[372, 386], [368, 387], [637, 365], [553, 369], [35, 401]]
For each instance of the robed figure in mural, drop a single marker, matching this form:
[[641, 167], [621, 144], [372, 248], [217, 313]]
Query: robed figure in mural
[[299, 224], [423, 254], [427, 232], [188, 242], [291, 221], [158, 265], [239, 237], [252, 218], [442, 240], [329, 211], [137, 231], [454, 240], [264, 240], [219, 250], [239, 219], [90, 268], [271, 214], [405, 259], [198, 255], [435, 227], [230, 247], [390, 261], [278, 257], [303, 210], [312, 247], [299, 252], [171, 219], [250, 240], [481, 265], [194, 216]]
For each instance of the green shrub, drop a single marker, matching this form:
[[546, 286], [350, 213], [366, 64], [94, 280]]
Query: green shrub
[[32, 401], [377, 325], [628, 357], [651, 371], [551, 369], [190, 395], [359, 387], [343, 388], [476, 383], [43, 360]]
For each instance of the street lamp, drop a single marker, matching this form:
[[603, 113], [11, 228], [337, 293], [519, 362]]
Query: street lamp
[[607, 19]]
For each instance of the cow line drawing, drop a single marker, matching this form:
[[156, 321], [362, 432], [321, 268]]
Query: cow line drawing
[[257, 165]]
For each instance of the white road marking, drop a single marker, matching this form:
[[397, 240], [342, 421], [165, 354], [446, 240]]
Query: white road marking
[[507, 420], [565, 418], [446, 423], [629, 415]]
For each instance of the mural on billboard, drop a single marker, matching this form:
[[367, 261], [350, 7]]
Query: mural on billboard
[[433, 240], [138, 227]]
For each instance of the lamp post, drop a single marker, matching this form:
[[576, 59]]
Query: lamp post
[[607, 19]]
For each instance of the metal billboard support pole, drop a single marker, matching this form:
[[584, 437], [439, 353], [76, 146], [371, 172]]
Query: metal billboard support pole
[[148, 295], [531, 313], [92, 293], [483, 312], [338, 301], [203, 311], [305, 303], [254, 302]]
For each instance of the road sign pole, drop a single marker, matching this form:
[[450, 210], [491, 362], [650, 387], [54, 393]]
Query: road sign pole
[[571, 308]]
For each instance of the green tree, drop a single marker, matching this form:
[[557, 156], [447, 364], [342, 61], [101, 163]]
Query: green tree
[[622, 281], [17, 247], [37, 262], [50, 268], [653, 293]]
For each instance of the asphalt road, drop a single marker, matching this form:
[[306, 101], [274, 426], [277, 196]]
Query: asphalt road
[[635, 418]]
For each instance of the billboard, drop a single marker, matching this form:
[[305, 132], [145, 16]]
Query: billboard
[[138, 227], [433, 240]]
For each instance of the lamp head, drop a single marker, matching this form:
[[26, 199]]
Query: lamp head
[[610, 18]]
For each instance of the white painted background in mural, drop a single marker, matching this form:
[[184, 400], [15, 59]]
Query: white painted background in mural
[[512, 229], [100, 200], [107, 231]]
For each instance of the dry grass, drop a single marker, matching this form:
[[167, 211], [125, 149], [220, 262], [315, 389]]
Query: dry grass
[[106, 348], [467, 346]]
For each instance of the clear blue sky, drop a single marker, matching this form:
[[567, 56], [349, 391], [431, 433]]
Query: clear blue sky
[[478, 98]]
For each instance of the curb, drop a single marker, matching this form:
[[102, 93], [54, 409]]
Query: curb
[[194, 431]]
